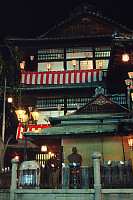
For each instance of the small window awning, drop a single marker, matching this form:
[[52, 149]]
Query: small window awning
[[62, 77]]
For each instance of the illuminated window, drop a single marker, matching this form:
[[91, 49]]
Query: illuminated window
[[104, 64], [102, 51], [86, 64]]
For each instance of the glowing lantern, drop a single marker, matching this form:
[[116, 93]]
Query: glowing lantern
[[22, 65], [43, 148], [35, 115], [20, 113], [100, 63], [31, 58], [48, 66], [125, 57], [74, 62], [10, 100], [130, 74]]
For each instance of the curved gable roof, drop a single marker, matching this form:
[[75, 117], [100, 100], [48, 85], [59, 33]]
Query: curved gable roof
[[84, 22]]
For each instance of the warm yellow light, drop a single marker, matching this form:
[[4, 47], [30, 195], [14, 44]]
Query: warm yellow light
[[20, 113], [43, 148], [100, 63], [130, 142], [48, 66], [24, 118], [35, 115], [74, 62], [22, 65], [10, 100], [17, 157], [132, 96], [125, 57]]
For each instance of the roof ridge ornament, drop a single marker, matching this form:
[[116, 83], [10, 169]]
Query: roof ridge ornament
[[99, 90]]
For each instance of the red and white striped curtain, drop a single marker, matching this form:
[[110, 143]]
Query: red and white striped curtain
[[20, 129], [62, 77]]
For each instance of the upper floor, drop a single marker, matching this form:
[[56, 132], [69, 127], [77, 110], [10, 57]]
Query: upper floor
[[82, 49]]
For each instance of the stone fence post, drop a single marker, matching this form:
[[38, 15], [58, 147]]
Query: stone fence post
[[13, 186], [97, 180]]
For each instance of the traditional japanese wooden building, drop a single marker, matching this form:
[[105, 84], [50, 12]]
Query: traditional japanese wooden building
[[65, 68]]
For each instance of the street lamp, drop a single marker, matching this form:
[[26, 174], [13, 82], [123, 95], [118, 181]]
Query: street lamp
[[20, 114], [35, 116]]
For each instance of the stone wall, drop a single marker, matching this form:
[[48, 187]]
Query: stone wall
[[72, 194], [4, 194]]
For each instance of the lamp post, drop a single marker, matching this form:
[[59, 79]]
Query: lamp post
[[4, 108]]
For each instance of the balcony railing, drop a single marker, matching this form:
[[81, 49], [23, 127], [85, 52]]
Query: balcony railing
[[61, 77]]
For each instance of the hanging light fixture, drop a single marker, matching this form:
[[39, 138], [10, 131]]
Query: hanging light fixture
[[100, 63], [74, 62], [48, 66], [125, 57], [22, 65], [32, 58]]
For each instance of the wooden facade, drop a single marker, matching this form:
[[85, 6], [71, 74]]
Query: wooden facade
[[51, 81]]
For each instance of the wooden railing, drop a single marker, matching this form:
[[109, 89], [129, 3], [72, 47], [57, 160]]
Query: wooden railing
[[113, 175], [57, 178], [116, 174]]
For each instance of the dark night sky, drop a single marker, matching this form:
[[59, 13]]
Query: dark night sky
[[32, 18]]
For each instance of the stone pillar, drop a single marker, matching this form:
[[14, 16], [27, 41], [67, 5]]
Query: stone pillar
[[13, 186], [97, 180]]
